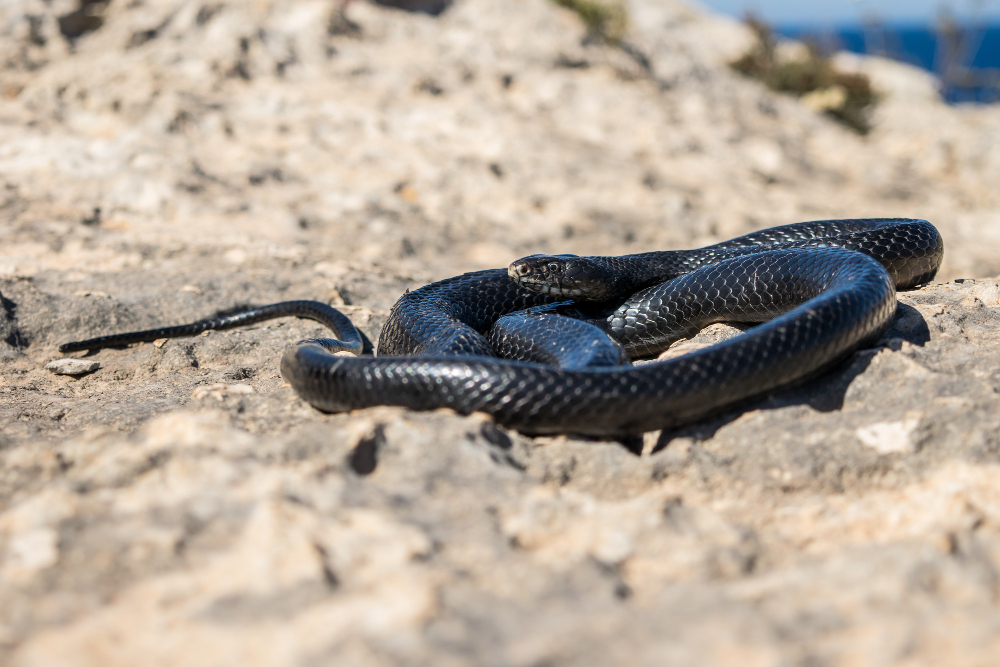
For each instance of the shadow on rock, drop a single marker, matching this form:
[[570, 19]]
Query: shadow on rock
[[908, 325], [9, 331]]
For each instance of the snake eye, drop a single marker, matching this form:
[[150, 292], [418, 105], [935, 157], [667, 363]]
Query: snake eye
[[552, 266]]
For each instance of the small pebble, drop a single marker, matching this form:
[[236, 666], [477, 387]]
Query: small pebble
[[72, 366], [220, 391]]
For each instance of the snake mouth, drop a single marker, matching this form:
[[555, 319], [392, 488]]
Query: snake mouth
[[543, 287]]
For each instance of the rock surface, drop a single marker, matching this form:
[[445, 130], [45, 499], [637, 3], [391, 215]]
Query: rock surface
[[181, 505]]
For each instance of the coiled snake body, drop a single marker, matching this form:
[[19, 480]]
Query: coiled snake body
[[822, 288]]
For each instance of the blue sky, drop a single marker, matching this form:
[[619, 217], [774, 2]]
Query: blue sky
[[838, 12]]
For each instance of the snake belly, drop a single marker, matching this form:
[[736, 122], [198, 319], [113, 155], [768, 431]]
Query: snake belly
[[825, 288]]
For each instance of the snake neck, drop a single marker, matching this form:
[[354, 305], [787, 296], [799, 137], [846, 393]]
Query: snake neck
[[634, 272]]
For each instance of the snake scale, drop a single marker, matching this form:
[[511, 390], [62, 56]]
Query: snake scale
[[822, 290]]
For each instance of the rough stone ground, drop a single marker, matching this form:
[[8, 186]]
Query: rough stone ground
[[181, 505]]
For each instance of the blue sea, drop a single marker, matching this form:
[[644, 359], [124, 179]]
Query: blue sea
[[976, 51]]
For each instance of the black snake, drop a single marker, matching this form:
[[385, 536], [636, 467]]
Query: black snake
[[823, 289]]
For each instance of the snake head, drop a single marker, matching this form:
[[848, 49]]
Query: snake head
[[574, 277]]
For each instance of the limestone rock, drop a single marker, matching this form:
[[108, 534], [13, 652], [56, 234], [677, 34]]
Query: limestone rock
[[165, 160]]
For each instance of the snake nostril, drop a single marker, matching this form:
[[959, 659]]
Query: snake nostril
[[523, 269]]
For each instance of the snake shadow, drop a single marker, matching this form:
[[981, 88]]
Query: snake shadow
[[823, 392]]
